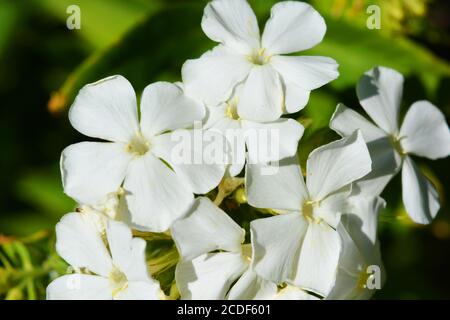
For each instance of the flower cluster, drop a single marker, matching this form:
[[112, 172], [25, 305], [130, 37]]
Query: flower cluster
[[156, 171]]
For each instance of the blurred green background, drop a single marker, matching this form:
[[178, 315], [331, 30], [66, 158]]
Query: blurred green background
[[43, 64]]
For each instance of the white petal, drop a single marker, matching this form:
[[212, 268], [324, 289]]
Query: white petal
[[79, 287], [292, 27], [295, 97], [333, 206], [337, 164], [233, 23], [155, 195], [128, 253], [140, 290], [351, 264], [425, 132], [164, 107], [307, 72], [206, 229], [276, 245], [287, 187], [362, 222], [294, 293], [212, 77], [345, 121], [80, 244], [262, 96], [380, 92], [209, 276], [318, 259], [92, 170], [386, 163], [272, 141], [420, 197], [250, 286], [196, 156], [106, 109]]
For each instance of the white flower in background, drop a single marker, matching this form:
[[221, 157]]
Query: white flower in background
[[424, 132], [116, 270], [360, 251], [300, 246], [272, 83], [264, 142], [215, 264], [157, 189]]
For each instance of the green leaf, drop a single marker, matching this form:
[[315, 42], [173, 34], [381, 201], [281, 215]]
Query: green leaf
[[102, 21], [154, 50]]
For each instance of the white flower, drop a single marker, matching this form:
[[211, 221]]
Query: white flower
[[214, 258], [300, 245], [360, 250], [272, 83], [264, 142], [424, 132], [116, 271], [157, 189]]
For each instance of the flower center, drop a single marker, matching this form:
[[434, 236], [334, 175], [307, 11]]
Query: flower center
[[247, 251], [363, 278], [138, 145], [397, 145], [259, 57], [118, 281], [308, 210], [231, 110]]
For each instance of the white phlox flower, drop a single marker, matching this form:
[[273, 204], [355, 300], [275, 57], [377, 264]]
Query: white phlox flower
[[113, 264], [157, 188], [273, 83], [255, 141], [301, 246], [360, 268], [215, 264], [424, 132]]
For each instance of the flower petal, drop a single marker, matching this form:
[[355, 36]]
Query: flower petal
[[362, 221], [276, 245], [106, 109], [262, 96], [345, 121], [292, 27], [294, 293], [295, 97], [386, 163], [80, 244], [272, 141], [210, 276], [319, 259], [92, 170], [380, 92], [155, 195], [420, 197], [250, 286], [233, 23], [212, 77], [337, 164], [140, 290], [164, 107], [128, 253], [196, 156], [425, 131], [206, 229], [307, 72], [79, 287], [287, 190]]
